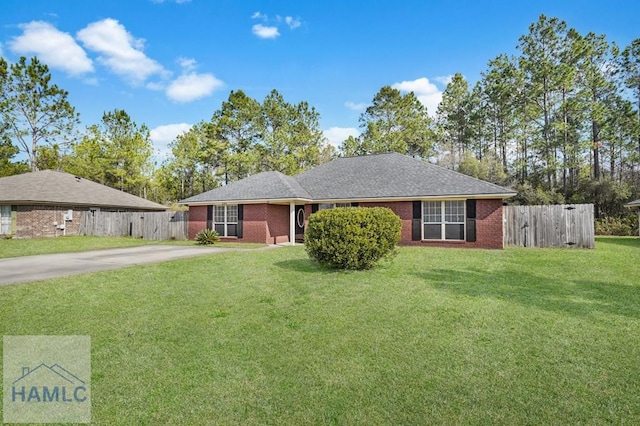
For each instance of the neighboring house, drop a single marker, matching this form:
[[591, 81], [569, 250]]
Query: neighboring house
[[49, 203], [635, 205], [438, 207]]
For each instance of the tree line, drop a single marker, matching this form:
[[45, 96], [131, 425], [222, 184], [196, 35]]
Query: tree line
[[559, 121]]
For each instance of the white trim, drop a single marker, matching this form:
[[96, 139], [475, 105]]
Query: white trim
[[443, 221], [357, 200], [292, 223]]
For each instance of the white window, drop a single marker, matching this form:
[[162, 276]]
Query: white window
[[5, 220], [443, 220], [332, 205], [225, 220]]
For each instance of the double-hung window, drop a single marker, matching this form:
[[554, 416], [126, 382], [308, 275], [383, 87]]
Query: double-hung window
[[443, 220], [225, 220], [327, 206], [5, 220]]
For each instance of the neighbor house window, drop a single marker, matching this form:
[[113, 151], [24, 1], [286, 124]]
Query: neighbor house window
[[443, 220], [5, 220], [332, 205], [225, 220]]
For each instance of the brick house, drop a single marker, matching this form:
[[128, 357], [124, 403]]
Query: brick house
[[48, 203], [438, 207]]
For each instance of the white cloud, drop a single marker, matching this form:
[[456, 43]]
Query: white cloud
[[162, 136], [361, 106], [425, 91], [293, 23], [187, 64], [54, 47], [444, 79], [258, 15], [337, 135], [264, 31], [120, 51], [190, 87]]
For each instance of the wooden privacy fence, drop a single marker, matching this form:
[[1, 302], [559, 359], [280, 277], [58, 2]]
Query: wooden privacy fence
[[565, 225], [147, 225]]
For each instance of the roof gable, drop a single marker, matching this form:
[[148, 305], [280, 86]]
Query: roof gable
[[58, 188], [263, 186]]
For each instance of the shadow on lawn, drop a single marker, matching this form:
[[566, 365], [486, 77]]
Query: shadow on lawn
[[563, 294]]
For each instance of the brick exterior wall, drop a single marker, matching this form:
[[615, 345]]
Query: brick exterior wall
[[488, 225], [37, 221], [269, 223], [277, 224], [197, 220], [262, 223]]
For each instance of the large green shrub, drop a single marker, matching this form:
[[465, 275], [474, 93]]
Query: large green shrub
[[622, 226], [353, 237]]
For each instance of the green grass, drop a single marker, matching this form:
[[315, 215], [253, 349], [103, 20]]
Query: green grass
[[438, 336], [29, 247]]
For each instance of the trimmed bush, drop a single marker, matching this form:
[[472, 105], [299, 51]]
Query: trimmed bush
[[207, 236], [352, 237]]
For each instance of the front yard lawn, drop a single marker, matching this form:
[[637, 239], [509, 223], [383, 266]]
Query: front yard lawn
[[34, 246], [439, 336]]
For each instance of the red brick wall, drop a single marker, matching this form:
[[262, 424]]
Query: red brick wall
[[488, 224], [269, 223], [37, 221], [277, 224], [254, 227], [262, 223], [197, 220]]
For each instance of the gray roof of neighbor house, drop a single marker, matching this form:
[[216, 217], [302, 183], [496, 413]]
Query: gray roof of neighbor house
[[634, 204], [381, 176], [49, 187]]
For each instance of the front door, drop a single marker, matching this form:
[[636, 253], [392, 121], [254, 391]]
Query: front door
[[300, 218]]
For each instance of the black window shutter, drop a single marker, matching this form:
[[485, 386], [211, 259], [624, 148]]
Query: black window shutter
[[416, 223], [471, 221], [240, 218], [355, 204], [314, 208], [209, 217]]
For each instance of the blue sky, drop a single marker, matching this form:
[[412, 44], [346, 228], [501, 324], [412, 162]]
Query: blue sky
[[172, 63]]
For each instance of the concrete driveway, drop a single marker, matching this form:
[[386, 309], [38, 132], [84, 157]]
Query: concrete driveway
[[32, 268]]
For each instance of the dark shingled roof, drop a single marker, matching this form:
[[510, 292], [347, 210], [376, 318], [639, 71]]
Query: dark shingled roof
[[263, 186], [390, 176], [57, 188], [381, 176]]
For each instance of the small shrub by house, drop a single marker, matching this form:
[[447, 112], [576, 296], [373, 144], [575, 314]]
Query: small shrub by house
[[353, 237], [207, 236]]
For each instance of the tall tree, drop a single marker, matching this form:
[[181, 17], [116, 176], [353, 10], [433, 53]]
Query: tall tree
[[117, 153], [541, 54], [233, 134], [291, 137], [8, 167], [189, 170], [629, 68], [33, 111], [454, 120], [393, 123]]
